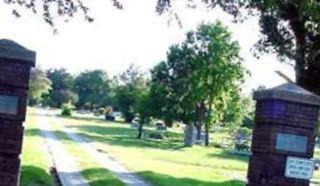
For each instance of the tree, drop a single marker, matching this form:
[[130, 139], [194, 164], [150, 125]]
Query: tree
[[62, 88], [65, 96], [289, 28], [131, 81], [125, 99], [216, 84], [162, 106], [141, 107], [38, 86], [50, 10], [200, 95], [93, 88]]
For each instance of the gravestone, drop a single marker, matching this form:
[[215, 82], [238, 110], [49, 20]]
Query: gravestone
[[190, 135], [283, 137], [15, 65]]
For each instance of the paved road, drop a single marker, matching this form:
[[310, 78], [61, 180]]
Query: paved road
[[122, 173], [69, 174]]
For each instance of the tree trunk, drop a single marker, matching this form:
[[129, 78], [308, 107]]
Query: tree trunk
[[309, 78], [198, 127], [168, 123], [140, 130], [207, 136]]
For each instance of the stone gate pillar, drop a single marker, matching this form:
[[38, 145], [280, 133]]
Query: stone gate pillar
[[283, 137], [15, 65]]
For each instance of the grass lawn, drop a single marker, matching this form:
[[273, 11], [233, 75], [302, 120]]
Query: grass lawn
[[35, 160], [90, 169], [163, 163]]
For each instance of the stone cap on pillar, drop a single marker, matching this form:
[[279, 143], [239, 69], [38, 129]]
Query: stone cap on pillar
[[12, 50], [288, 92]]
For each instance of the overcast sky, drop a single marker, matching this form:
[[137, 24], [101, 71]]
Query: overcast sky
[[134, 35]]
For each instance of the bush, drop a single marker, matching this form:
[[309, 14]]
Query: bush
[[108, 114], [242, 139], [108, 110], [66, 109]]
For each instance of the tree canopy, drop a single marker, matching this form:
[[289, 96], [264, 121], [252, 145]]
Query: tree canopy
[[93, 88], [62, 88], [200, 77], [39, 85], [289, 28]]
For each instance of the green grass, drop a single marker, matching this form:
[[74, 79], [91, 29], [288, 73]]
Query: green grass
[[164, 163], [95, 174], [35, 160]]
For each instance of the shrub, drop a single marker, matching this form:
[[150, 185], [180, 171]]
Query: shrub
[[242, 139], [108, 110], [66, 109], [108, 114]]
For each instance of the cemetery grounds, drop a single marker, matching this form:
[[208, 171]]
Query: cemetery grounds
[[159, 162]]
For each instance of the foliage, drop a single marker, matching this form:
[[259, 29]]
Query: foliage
[[108, 114], [239, 111], [64, 96], [141, 107], [38, 86], [100, 111], [162, 106], [289, 28], [62, 88], [125, 99], [242, 139], [196, 94], [50, 10], [132, 81], [108, 110], [93, 88], [66, 109]]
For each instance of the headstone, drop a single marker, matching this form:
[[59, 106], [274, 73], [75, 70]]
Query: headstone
[[15, 65], [283, 137], [161, 126], [190, 135]]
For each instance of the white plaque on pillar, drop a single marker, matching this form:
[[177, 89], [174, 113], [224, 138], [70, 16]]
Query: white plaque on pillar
[[9, 104], [299, 168]]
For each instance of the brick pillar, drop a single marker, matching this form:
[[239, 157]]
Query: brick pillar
[[15, 65], [284, 131]]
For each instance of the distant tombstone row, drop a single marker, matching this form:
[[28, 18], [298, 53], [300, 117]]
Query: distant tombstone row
[[283, 137], [15, 65]]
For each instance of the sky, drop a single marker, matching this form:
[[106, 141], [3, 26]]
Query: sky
[[136, 34]]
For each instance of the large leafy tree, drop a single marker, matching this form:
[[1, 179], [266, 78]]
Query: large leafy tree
[[38, 86], [216, 85], [62, 88], [289, 27], [163, 104], [201, 76], [93, 88], [142, 107], [131, 82]]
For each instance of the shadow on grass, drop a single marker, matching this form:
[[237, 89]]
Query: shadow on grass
[[167, 180], [99, 177], [35, 176], [227, 155], [121, 136], [32, 132]]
